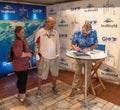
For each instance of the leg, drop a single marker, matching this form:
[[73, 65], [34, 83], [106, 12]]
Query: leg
[[22, 82], [54, 72], [76, 78], [43, 69], [77, 74]]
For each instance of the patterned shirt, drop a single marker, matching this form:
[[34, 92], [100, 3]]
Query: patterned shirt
[[84, 42]]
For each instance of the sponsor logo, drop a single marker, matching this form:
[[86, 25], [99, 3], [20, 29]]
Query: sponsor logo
[[62, 59], [110, 74], [109, 39], [108, 20], [7, 9], [108, 24], [90, 5], [75, 9], [52, 12], [92, 22], [62, 24], [37, 11], [90, 8], [63, 35]]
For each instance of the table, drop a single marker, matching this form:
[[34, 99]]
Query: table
[[91, 55]]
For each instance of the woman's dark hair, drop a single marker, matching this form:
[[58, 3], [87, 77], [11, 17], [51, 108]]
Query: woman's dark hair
[[17, 30]]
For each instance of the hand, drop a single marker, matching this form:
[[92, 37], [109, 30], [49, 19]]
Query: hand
[[37, 62], [77, 49], [29, 54], [85, 50]]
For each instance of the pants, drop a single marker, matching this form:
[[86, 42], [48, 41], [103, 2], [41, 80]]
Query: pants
[[48, 64], [22, 81], [78, 72]]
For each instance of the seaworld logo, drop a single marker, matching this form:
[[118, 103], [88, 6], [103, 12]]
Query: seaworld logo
[[91, 8], [109, 39], [62, 24], [75, 9], [109, 74], [7, 9], [108, 20], [90, 5], [52, 12], [63, 35]]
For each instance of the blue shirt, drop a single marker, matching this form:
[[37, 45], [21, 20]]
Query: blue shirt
[[84, 42]]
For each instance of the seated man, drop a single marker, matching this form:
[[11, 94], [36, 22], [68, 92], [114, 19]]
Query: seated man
[[83, 40]]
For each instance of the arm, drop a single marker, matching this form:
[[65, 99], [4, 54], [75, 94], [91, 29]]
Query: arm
[[75, 41], [90, 48], [58, 45], [74, 47], [18, 50], [37, 47]]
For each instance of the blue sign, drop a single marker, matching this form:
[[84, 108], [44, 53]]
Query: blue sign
[[14, 11]]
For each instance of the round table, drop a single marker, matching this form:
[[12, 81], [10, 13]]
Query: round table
[[91, 55]]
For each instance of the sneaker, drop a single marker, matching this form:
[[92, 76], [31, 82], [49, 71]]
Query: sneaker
[[73, 92], [38, 94], [55, 90]]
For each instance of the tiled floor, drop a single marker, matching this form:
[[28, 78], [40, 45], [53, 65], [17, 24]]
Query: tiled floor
[[49, 101]]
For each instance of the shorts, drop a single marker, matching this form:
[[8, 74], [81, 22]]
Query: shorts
[[48, 64]]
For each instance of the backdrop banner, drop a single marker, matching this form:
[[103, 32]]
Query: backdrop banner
[[105, 19]]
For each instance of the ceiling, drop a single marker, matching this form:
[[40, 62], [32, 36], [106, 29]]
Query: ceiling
[[41, 2]]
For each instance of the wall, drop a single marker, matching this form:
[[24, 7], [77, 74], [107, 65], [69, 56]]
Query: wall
[[31, 17], [104, 15]]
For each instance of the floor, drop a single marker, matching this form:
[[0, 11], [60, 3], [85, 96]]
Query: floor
[[108, 99], [50, 101]]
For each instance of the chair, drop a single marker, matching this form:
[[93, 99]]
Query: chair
[[94, 73]]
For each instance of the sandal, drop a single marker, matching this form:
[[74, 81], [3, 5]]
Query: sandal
[[20, 99]]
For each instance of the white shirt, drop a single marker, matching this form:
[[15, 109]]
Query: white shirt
[[49, 45]]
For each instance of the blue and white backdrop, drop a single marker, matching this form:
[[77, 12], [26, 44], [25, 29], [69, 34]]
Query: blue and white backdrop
[[104, 15], [31, 17]]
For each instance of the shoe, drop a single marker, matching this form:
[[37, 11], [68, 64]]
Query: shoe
[[20, 99], [73, 92], [38, 94], [55, 90]]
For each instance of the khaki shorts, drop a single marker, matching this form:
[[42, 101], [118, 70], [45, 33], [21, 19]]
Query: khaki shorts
[[48, 64]]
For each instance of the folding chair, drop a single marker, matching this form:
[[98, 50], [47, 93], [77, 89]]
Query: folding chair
[[94, 73]]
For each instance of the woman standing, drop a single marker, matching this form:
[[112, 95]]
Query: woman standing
[[20, 62]]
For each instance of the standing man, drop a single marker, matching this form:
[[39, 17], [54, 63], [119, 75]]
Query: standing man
[[83, 40], [47, 45]]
